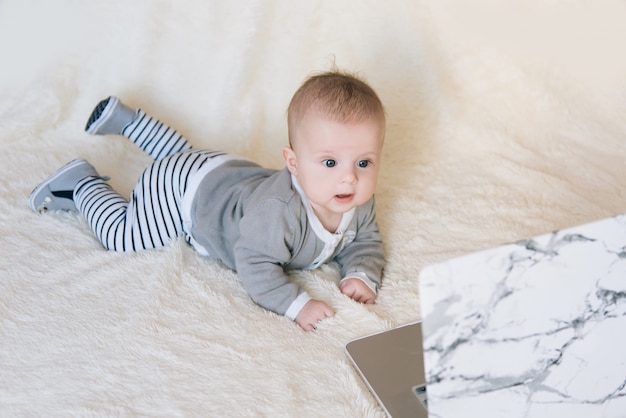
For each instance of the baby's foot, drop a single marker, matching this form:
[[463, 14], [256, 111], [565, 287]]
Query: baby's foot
[[57, 191], [110, 116]]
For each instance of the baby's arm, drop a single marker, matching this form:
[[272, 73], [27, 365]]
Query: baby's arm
[[356, 289], [313, 312], [260, 255]]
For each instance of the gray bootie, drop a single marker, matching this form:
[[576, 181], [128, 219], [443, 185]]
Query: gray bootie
[[110, 116], [57, 191]]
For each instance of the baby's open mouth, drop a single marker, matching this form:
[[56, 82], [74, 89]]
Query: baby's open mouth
[[344, 197]]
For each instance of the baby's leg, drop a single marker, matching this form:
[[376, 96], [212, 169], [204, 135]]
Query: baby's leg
[[152, 217], [111, 116]]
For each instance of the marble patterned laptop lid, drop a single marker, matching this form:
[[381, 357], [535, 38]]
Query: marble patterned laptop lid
[[535, 328]]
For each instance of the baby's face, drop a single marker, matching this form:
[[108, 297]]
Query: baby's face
[[336, 164]]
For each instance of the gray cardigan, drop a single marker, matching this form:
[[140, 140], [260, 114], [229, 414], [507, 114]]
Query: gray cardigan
[[256, 222]]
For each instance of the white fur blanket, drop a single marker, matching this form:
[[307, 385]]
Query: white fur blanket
[[505, 119]]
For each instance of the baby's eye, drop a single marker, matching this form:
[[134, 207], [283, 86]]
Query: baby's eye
[[363, 163], [329, 163]]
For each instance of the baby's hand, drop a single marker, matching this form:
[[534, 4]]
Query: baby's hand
[[313, 312], [357, 290]]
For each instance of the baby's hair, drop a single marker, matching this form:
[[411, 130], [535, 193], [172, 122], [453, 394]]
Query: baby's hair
[[341, 96]]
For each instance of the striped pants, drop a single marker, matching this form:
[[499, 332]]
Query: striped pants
[[152, 216]]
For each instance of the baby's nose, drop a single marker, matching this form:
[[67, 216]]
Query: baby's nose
[[349, 176]]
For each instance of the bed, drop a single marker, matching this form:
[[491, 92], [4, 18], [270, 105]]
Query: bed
[[503, 121]]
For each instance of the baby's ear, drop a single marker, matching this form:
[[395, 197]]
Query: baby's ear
[[290, 160]]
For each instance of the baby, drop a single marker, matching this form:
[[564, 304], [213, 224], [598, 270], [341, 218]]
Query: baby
[[260, 222]]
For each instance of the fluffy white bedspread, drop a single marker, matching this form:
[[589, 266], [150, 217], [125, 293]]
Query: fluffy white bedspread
[[505, 119]]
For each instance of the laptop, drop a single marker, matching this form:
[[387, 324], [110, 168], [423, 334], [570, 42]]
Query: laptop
[[535, 328]]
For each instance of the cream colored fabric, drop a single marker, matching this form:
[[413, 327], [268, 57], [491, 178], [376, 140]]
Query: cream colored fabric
[[505, 119]]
